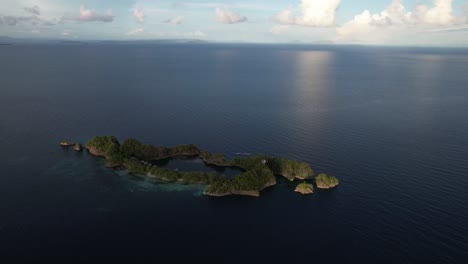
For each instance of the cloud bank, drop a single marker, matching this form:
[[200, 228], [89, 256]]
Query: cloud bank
[[396, 20], [314, 13], [90, 15], [228, 17]]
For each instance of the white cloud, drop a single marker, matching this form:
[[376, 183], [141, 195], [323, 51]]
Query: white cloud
[[175, 21], [464, 18], [244, 6], [90, 15], [195, 34], [286, 16], [394, 14], [136, 32], [314, 13], [35, 31], [139, 15], [33, 10], [439, 14], [363, 29], [279, 29], [396, 21], [228, 17]]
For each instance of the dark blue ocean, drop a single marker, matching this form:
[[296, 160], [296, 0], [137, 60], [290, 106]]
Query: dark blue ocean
[[390, 123]]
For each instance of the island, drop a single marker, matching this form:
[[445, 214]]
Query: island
[[325, 181], [77, 147], [257, 172], [65, 143], [304, 188]]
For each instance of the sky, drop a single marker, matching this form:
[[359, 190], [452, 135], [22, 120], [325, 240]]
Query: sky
[[363, 22]]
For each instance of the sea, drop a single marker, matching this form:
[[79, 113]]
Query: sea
[[391, 123]]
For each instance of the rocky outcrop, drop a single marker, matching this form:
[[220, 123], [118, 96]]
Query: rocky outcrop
[[324, 181], [77, 147], [109, 163], [65, 143], [326, 186], [304, 188], [95, 151]]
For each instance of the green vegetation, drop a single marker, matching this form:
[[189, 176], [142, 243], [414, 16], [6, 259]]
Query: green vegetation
[[285, 167], [132, 147], [248, 163], [304, 188], [290, 168], [109, 147], [259, 170], [215, 159], [325, 181], [255, 179], [102, 144]]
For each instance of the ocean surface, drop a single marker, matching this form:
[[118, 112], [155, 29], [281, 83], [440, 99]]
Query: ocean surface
[[390, 123]]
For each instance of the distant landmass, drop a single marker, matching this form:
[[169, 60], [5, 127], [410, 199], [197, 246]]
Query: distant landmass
[[4, 40], [257, 172]]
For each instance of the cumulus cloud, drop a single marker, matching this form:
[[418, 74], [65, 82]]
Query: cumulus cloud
[[90, 15], [397, 20], [139, 15], [33, 10], [314, 13], [440, 13], [228, 17], [175, 21]]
